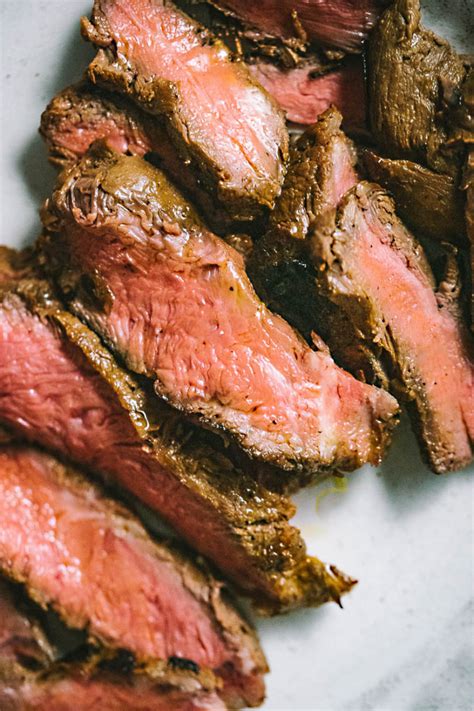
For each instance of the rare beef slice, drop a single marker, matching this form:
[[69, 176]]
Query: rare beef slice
[[33, 677], [344, 24], [94, 564], [412, 76], [174, 301], [84, 113], [364, 282], [225, 126], [61, 388], [305, 91]]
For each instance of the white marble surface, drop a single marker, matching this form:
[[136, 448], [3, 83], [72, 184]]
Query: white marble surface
[[404, 640]]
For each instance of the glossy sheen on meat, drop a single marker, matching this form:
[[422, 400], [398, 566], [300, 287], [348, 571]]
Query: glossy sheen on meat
[[373, 269], [411, 72], [338, 23], [431, 204], [224, 125], [303, 95], [95, 565], [61, 388], [178, 306]]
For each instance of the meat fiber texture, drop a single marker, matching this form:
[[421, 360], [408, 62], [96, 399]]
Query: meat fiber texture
[[411, 74], [84, 113], [31, 677], [60, 387], [344, 24], [93, 563], [224, 125], [174, 301], [303, 92], [369, 277]]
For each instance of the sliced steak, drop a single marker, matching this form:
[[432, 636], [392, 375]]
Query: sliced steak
[[373, 269], [364, 283], [96, 566], [84, 113], [431, 204], [32, 677], [61, 388], [174, 301], [226, 128], [303, 92], [344, 24], [410, 70]]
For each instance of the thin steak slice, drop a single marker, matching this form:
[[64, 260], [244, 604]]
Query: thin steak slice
[[411, 73], [92, 562], [375, 271], [61, 388], [224, 125], [343, 23], [174, 301], [431, 204], [304, 92], [84, 113], [32, 677]]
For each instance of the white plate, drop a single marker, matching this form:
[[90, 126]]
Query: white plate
[[404, 640]]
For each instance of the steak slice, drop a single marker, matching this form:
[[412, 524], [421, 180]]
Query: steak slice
[[61, 388], [303, 92], [410, 70], [174, 301], [373, 269], [431, 204], [226, 128], [84, 113], [32, 678], [92, 562], [344, 24]]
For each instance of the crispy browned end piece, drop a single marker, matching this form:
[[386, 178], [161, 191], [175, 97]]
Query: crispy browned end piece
[[224, 125], [374, 270], [60, 387], [431, 204], [91, 561], [33, 678], [410, 72], [344, 24], [175, 302], [304, 92]]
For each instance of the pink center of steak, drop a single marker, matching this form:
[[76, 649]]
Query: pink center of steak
[[304, 97], [183, 310], [219, 106], [340, 23], [421, 329], [88, 560], [121, 136]]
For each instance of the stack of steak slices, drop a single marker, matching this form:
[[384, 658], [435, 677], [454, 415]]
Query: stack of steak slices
[[60, 387], [367, 284], [92, 562]]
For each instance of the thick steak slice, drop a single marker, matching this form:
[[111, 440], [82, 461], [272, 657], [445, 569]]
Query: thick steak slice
[[225, 126], [60, 387], [84, 113], [337, 23], [374, 270], [174, 301], [31, 678], [410, 72], [303, 93], [431, 204], [97, 567]]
